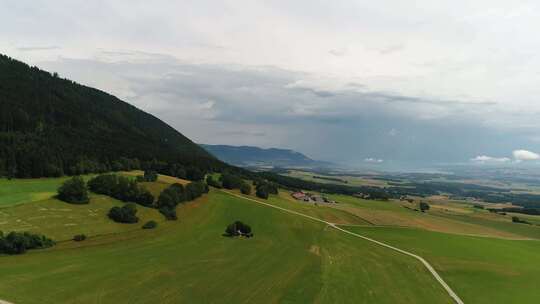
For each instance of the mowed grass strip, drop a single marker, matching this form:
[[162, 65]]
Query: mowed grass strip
[[481, 270], [290, 260]]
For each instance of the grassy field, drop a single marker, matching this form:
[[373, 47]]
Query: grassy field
[[481, 270], [448, 217], [290, 260], [19, 191]]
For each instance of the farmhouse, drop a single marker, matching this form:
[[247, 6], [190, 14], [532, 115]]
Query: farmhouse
[[308, 197], [299, 195]]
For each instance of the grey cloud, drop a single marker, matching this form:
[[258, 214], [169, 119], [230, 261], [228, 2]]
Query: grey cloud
[[232, 104]]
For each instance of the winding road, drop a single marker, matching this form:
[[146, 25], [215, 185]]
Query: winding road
[[430, 268]]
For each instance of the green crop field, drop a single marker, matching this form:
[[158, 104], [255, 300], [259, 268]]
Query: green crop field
[[481, 270], [291, 259]]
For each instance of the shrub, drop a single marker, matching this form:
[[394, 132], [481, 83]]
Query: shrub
[[238, 229], [210, 181], [150, 225], [245, 189], [74, 191], [230, 181], [145, 198], [169, 213], [424, 206], [124, 214], [79, 237], [262, 192], [20, 242], [148, 176], [516, 219]]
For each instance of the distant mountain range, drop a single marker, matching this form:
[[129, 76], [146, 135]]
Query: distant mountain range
[[248, 156]]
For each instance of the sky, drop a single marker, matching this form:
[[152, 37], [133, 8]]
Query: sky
[[355, 82]]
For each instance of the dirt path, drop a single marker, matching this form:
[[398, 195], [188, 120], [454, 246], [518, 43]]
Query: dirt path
[[4, 302], [428, 266]]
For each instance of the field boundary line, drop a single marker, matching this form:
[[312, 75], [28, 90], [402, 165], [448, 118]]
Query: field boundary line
[[428, 266]]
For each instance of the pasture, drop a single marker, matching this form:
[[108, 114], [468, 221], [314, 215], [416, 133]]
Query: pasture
[[481, 270], [290, 259]]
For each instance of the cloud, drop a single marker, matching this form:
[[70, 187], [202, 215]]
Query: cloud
[[524, 155], [373, 160], [489, 159], [37, 48]]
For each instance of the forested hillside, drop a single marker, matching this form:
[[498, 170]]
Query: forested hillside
[[51, 126]]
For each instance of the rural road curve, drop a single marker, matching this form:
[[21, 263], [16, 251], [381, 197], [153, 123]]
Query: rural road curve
[[430, 268]]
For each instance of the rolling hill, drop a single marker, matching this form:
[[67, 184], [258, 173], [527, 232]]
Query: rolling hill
[[51, 126]]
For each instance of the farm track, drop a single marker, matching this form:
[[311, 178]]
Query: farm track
[[428, 266]]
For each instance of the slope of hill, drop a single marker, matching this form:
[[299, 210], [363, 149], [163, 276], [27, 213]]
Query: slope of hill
[[50, 126], [247, 156]]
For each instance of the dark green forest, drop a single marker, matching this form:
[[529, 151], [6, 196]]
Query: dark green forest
[[51, 126]]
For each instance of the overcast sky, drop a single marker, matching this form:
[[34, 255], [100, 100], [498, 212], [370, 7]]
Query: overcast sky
[[377, 82]]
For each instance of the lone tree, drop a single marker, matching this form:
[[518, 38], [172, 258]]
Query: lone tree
[[424, 206], [74, 191], [238, 229]]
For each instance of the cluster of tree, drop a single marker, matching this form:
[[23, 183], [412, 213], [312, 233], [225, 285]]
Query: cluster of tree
[[211, 181], [79, 237], [424, 206], [150, 225], [20, 242], [148, 176], [177, 194], [189, 172], [238, 229], [121, 188], [529, 211], [264, 188], [125, 214], [74, 191], [51, 126], [516, 219], [231, 181]]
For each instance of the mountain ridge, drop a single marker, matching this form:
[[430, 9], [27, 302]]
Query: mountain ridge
[[252, 156]]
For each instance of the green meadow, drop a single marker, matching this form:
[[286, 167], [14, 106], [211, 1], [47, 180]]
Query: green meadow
[[290, 259], [481, 270]]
